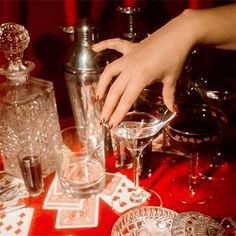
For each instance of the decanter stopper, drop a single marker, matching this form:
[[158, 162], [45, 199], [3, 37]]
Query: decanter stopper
[[14, 39]]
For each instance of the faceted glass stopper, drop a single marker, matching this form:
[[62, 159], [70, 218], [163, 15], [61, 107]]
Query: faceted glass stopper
[[14, 38]]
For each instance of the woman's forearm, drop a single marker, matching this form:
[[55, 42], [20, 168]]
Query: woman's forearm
[[215, 26]]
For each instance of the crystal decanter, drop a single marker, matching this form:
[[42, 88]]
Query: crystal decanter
[[28, 113]]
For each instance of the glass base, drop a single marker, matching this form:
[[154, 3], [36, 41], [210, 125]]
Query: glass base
[[178, 189], [221, 169], [127, 200]]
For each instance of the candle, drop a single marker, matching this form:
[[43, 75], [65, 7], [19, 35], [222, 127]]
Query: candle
[[130, 3], [71, 11]]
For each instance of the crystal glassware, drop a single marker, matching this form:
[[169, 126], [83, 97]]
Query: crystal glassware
[[211, 77], [28, 112], [136, 131], [81, 161], [146, 220], [195, 223], [220, 94], [195, 132], [151, 98]]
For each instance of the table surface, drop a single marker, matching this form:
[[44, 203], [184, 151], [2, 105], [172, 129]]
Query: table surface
[[223, 204]]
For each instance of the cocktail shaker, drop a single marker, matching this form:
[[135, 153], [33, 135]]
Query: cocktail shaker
[[82, 70]]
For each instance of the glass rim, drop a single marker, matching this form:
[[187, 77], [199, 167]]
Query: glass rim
[[223, 117]]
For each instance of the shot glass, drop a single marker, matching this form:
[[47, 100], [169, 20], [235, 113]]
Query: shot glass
[[31, 171], [123, 158], [81, 161]]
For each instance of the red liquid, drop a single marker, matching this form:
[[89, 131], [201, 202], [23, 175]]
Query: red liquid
[[32, 174]]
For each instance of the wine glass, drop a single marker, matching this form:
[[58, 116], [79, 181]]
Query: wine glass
[[211, 74], [136, 131], [195, 131], [221, 95]]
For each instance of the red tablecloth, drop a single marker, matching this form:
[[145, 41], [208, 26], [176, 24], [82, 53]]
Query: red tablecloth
[[223, 203]]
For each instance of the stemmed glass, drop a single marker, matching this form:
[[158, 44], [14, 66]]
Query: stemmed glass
[[211, 75], [136, 131], [195, 132], [222, 95]]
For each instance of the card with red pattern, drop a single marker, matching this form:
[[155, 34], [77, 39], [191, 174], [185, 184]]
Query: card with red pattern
[[16, 223], [113, 182], [121, 200], [55, 198], [85, 216]]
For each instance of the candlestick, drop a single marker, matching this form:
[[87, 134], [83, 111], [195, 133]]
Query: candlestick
[[131, 14]]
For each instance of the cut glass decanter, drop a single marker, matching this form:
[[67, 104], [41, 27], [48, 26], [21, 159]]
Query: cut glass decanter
[[28, 113]]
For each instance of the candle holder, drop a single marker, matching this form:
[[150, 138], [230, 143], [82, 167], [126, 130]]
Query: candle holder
[[132, 15]]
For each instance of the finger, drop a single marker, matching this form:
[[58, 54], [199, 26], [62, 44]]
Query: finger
[[114, 94], [128, 98], [120, 45], [168, 93], [111, 70]]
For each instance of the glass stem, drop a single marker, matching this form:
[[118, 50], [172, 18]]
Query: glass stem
[[193, 176], [136, 169], [137, 195]]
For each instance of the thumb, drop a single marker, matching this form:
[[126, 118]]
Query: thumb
[[168, 93]]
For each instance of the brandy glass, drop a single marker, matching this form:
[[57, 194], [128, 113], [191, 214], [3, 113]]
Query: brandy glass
[[196, 132]]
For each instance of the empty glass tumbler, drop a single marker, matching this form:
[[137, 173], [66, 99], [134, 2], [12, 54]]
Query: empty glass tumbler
[[81, 161]]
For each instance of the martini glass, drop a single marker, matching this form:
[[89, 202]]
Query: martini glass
[[137, 129]]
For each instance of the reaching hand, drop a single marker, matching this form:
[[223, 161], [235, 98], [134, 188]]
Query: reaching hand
[[159, 57]]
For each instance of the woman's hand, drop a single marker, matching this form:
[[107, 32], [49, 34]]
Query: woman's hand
[[160, 57]]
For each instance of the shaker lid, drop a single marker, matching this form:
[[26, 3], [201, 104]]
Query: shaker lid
[[81, 57], [86, 31]]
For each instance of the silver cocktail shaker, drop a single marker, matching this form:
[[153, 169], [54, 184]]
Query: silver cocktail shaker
[[82, 70]]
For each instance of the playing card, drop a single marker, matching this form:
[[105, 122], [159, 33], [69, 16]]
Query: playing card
[[121, 199], [113, 182], [85, 216], [12, 192], [16, 223], [55, 198]]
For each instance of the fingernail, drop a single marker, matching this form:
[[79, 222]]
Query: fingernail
[[110, 126], [96, 97], [175, 108], [102, 121]]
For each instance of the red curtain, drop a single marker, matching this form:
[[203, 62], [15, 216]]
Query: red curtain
[[49, 44]]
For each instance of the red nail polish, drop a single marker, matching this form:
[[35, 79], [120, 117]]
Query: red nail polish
[[96, 97], [175, 108], [110, 126], [102, 121]]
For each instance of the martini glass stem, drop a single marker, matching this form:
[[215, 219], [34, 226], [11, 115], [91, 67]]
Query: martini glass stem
[[137, 194]]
